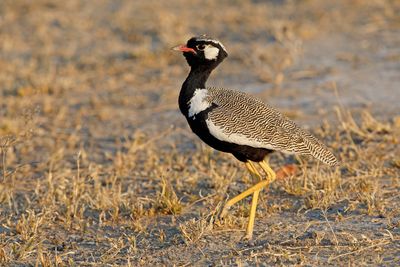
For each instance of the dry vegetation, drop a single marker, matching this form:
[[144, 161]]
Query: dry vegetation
[[99, 168]]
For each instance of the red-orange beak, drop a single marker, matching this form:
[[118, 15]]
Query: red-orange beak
[[184, 48]]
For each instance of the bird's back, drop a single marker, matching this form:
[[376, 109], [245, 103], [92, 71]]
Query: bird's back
[[243, 119]]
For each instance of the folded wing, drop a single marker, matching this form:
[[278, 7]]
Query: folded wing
[[242, 119]]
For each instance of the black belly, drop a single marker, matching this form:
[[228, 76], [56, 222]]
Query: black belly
[[241, 152]]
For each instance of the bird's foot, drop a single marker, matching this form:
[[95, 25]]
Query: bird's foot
[[247, 237], [224, 212], [248, 240]]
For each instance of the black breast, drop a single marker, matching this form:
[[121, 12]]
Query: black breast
[[241, 152]]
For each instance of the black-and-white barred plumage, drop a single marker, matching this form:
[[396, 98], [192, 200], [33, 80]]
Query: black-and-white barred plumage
[[243, 119]]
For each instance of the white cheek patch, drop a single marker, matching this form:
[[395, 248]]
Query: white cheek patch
[[211, 52], [198, 103]]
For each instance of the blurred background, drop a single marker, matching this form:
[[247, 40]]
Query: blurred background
[[115, 54], [89, 120]]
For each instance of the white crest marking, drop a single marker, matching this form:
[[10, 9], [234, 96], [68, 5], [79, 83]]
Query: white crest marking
[[197, 103], [212, 41]]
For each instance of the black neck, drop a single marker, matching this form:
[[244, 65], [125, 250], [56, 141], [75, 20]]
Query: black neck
[[196, 79]]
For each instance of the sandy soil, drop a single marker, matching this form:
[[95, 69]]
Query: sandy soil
[[98, 167]]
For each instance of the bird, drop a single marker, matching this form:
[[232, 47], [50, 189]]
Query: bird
[[238, 123]]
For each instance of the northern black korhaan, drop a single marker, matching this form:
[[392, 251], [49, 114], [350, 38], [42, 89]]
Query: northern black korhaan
[[237, 123]]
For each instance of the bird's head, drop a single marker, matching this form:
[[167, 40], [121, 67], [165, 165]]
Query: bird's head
[[203, 51]]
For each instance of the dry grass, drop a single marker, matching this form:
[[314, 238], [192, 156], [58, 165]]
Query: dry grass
[[93, 173]]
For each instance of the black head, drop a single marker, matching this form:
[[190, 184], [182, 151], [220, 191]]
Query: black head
[[203, 51]]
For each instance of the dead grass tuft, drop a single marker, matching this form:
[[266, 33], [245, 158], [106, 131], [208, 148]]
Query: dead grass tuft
[[167, 202]]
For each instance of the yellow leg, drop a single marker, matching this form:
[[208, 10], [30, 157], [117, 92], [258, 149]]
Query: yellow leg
[[255, 190], [250, 225], [242, 195], [252, 168], [268, 171]]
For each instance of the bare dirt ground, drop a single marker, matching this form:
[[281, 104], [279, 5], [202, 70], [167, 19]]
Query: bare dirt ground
[[98, 167]]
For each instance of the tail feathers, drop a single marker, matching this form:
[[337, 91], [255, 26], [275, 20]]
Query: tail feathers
[[320, 151]]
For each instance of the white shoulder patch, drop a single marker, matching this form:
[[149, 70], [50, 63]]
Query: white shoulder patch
[[211, 52], [198, 103]]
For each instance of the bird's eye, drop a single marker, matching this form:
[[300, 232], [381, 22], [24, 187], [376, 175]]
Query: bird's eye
[[201, 46]]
